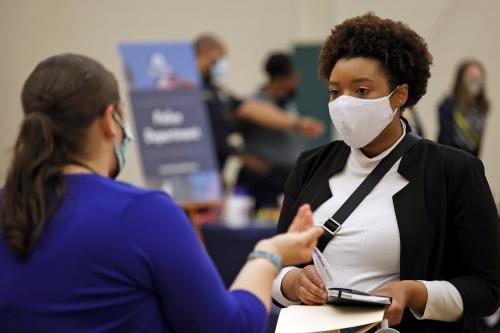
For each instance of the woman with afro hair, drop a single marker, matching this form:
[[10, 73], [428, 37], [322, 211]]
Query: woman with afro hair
[[427, 233]]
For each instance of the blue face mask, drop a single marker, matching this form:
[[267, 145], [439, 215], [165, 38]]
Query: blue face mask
[[219, 68], [121, 148]]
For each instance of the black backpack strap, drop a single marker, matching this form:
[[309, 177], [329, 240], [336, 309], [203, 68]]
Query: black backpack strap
[[334, 223]]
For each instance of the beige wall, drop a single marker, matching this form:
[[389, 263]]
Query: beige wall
[[31, 30]]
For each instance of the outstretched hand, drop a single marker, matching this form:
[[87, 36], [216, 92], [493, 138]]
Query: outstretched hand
[[295, 246]]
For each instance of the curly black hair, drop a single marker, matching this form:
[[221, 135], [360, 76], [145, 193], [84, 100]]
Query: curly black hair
[[401, 52]]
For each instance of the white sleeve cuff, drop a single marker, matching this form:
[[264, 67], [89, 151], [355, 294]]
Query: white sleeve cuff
[[277, 293], [444, 302]]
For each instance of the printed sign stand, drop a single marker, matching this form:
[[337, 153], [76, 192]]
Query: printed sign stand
[[171, 124]]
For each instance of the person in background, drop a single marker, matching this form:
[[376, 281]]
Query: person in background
[[226, 111], [82, 252], [463, 114], [278, 149]]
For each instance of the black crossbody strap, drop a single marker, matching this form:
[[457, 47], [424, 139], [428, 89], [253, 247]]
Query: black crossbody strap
[[333, 224]]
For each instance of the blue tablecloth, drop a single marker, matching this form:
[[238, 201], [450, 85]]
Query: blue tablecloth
[[229, 249]]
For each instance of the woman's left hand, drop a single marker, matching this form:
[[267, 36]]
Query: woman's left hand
[[407, 293]]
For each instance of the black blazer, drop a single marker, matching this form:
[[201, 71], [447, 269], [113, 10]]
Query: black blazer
[[448, 223]]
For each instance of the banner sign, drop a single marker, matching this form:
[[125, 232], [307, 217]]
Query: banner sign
[[171, 124]]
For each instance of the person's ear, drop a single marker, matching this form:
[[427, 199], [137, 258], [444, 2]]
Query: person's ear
[[110, 127], [400, 96], [213, 55]]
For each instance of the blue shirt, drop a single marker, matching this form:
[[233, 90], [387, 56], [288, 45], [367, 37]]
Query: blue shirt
[[116, 258]]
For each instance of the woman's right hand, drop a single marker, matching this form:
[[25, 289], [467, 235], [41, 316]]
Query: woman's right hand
[[296, 246], [304, 285]]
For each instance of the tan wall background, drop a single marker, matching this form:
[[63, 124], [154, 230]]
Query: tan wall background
[[31, 30]]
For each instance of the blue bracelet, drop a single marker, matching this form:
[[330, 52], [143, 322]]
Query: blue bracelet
[[275, 259]]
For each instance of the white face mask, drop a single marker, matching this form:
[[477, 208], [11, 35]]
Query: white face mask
[[220, 67], [474, 87], [359, 121]]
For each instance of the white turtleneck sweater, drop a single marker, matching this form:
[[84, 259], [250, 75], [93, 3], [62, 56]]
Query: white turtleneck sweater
[[364, 254]]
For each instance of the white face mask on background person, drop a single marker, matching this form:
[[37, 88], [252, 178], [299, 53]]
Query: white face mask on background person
[[474, 87], [220, 67], [359, 121]]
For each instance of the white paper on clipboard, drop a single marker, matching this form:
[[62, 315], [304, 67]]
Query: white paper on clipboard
[[327, 318]]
